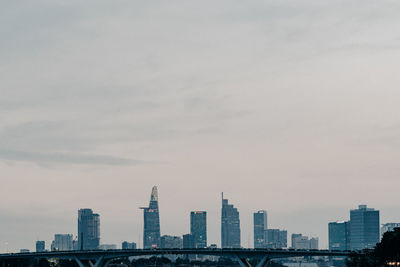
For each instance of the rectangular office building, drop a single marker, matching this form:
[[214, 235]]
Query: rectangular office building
[[198, 228], [364, 228], [339, 235], [260, 226]]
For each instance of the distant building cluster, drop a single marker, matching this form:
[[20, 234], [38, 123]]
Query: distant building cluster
[[264, 237], [360, 232], [304, 242]]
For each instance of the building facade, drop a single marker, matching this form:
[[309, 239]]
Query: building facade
[[188, 241], [303, 242], [293, 238], [198, 228], [88, 230], [260, 226], [339, 235], [128, 245], [168, 241], [364, 228], [40, 246], [275, 238], [151, 216], [230, 225], [62, 242]]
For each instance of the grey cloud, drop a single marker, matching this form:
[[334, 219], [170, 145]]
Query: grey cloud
[[66, 158]]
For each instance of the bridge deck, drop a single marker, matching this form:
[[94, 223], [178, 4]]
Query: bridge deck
[[89, 254]]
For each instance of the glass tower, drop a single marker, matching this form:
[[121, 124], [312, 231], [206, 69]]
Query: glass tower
[[364, 228], [151, 231], [260, 226], [88, 229], [339, 235], [198, 228], [230, 225]]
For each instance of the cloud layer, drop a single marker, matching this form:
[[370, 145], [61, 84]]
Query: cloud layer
[[286, 106]]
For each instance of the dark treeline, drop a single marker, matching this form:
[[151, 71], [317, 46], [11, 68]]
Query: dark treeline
[[385, 252]]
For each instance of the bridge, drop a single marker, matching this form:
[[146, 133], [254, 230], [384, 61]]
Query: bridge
[[101, 258]]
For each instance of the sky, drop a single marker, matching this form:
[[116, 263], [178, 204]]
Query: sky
[[286, 106]]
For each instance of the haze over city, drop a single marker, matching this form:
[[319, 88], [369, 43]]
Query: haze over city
[[285, 106]]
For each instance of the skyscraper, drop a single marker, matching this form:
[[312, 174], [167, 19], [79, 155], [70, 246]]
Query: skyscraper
[[364, 228], [88, 229], [339, 235], [230, 225], [198, 228], [260, 226], [151, 231]]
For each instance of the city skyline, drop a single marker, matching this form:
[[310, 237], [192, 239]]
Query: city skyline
[[364, 224]]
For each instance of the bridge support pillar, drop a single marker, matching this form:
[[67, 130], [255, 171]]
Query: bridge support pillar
[[79, 262], [263, 262], [243, 262], [98, 262]]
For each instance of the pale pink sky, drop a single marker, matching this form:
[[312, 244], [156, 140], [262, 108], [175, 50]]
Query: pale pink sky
[[288, 106]]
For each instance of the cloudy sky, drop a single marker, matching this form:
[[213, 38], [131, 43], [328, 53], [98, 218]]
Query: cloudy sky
[[288, 106]]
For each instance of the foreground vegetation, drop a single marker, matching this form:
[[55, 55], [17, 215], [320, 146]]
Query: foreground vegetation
[[386, 253]]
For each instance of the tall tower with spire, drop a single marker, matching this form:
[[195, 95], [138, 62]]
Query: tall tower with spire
[[151, 231]]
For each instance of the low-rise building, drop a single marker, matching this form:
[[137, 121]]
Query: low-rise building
[[168, 241], [40, 246], [62, 242], [128, 245], [275, 238], [303, 242]]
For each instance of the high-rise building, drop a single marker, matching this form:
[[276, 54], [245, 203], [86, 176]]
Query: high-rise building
[[40, 246], [230, 225], [389, 227], [168, 241], [128, 245], [364, 228], [62, 242], [260, 226], [339, 235], [88, 229], [294, 236], [275, 238], [151, 231], [188, 241], [198, 228]]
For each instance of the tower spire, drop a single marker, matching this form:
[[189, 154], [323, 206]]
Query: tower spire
[[154, 194]]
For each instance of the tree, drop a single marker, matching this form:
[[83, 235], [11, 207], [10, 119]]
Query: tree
[[388, 250]]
